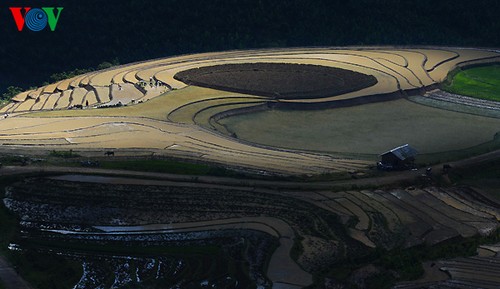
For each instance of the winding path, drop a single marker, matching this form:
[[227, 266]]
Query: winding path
[[281, 263], [391, 178]]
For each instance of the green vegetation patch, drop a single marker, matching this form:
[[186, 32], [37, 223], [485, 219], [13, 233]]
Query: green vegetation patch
[[481, 82], [78, 71], [166, 166], [10, 93], [63, 154]]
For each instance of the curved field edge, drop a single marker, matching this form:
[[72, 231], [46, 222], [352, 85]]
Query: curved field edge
[[480, 81], [388, 203], [278, 80], [378, 127], [365, 59], [410, 75]]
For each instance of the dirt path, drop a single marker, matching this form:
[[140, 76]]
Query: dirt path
[[9, 277], [393, 177], [280, 277], [144, 126]]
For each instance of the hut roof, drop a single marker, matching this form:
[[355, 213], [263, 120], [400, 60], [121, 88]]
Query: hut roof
[[402, 152]]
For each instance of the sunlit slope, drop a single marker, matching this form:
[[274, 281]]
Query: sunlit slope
[[149, 109], [394, 69]]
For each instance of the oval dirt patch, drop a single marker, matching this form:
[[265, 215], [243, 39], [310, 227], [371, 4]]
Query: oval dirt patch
[[278, 80]]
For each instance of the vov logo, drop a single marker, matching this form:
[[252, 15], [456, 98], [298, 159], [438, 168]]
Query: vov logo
[[36, 19]]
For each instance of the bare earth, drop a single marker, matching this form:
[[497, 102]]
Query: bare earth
[[165, 114]]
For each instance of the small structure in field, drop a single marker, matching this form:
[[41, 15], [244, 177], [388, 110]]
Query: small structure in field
[[402, 157], [142, 83]]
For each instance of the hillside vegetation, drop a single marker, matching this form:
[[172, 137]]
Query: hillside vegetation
[[95, 31]]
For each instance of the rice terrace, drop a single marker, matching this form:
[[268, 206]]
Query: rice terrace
[[288, 195], [164, 114]]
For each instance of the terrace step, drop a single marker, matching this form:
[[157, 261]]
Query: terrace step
[[462, 99]]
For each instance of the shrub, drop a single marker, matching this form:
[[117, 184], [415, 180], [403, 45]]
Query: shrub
[[11, 92], [64, 154]]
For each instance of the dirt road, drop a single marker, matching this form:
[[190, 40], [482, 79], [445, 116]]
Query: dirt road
[[12, 280], [393, 177]]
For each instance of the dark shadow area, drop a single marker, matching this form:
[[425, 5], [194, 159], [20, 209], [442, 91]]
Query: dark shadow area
[[96, 31], [278, 80]]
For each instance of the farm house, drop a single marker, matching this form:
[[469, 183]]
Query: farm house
[[401, 157]]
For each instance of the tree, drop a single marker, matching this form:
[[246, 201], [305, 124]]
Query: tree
[[11, 92]]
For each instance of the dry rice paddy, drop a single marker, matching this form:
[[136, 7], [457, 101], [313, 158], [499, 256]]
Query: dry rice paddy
[[370, 128], [158, 104]]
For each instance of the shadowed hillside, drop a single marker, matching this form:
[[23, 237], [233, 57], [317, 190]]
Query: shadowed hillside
[[93, 31]]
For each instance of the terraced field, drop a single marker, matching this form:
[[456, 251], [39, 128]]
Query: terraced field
[[165, 115], [378, 126], [470, 272], [479, 82], [88, 209]]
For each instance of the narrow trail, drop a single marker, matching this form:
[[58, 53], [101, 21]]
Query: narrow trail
[[393, 177], [12, 280]]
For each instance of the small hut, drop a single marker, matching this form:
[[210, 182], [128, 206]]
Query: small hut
[[402, 157]]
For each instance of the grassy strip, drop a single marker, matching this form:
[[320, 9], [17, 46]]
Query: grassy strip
[[480, 82], [188, 168], [456, 107], [169, 166], [72, 159], [63, 154], [159, 166]]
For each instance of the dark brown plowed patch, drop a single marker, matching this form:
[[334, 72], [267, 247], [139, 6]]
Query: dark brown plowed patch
[[278, 80]]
